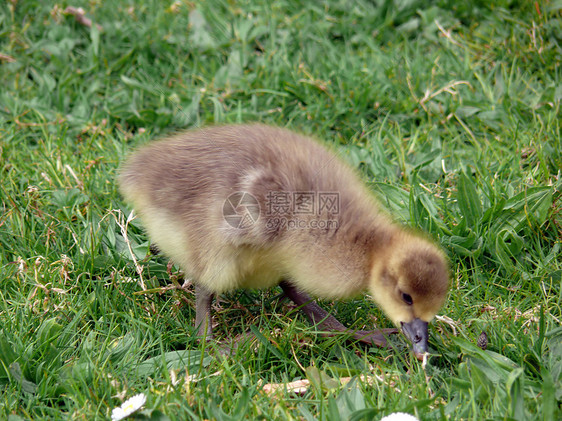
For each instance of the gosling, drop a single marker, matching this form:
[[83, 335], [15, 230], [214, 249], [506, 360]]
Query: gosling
[[254, 206]]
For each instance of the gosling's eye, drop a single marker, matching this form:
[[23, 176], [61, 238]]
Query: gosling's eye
[[407, 298]]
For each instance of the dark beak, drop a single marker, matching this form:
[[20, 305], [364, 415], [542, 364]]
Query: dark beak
[[416, 332]]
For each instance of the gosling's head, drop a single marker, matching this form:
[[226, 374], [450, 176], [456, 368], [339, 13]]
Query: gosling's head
[[409, 281]]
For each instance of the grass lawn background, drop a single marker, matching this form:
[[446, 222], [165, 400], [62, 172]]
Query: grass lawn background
[[450, 109]]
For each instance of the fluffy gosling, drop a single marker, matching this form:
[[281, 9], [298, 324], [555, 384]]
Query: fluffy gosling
[[253, 206]]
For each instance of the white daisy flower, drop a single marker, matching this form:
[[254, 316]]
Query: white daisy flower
[[399, 416], [128, 407]]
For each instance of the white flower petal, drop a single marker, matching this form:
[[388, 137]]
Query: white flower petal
[[399, 416], [128, 407]]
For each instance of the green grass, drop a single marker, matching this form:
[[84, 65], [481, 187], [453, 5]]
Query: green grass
[[450, 109]]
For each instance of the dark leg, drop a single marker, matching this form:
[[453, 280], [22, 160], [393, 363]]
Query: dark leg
[[203, 300], [325, 321], [203, 320]]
